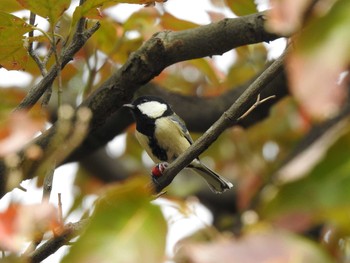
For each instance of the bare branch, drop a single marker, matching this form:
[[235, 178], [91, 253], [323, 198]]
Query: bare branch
[[59, 70], [258, 102], [31, 51], [82, 21], [70, 231], [229, 117], [60, 213], [47, 186], [37, 91]]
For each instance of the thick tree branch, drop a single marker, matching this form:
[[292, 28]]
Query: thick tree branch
[[227, 119], [166, 48]]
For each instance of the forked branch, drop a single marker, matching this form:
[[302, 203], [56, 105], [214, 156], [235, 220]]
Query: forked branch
[[236, 112]]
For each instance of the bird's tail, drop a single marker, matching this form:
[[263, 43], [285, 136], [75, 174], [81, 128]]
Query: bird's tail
[[216, 183]]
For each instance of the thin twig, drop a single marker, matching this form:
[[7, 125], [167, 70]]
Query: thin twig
[[59, 68], [31, 51], [60, 213], [46, 97], [48, 55], [20, 187], [255, 105], [47, 187], [82, 21]]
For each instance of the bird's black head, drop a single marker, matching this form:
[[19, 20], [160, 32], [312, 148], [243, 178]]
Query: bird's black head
[[146, 110]]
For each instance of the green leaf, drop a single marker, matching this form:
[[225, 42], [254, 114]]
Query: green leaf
[[250, 60], [51, 9], [322, 52], [9, 6], [144, 22], [171, 22], [323, 194], [13, 54], [331, 29], [106, 38], [207, 68], [125, 227], [126, 47], [12, 27], [242, 7], [90, 5]]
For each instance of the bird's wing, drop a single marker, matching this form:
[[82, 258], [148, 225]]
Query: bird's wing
[[182, 126]]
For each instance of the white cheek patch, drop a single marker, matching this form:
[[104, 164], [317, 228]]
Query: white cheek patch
[[153, 109]]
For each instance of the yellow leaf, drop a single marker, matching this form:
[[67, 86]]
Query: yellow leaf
[[173, 23], [13, 54], [51, 9], [242, 7]]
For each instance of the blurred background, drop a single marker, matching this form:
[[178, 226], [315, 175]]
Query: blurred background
[[289, 166]]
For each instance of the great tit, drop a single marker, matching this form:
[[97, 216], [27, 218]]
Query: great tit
[[164, 136]]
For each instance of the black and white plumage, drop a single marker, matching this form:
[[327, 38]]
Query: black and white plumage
[[164, 136]]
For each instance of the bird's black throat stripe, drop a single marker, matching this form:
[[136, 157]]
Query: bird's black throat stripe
[[147, 128], [157, 151]]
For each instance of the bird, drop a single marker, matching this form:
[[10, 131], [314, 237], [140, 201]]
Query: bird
[[164, 136]]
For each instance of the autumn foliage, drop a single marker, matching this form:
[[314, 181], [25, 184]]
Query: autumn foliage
[[287, 155]]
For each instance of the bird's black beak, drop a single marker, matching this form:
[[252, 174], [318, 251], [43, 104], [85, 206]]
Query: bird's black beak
[[130, 106]]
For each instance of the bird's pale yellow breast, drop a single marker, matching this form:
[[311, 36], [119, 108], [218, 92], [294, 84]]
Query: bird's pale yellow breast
[[170, 137]]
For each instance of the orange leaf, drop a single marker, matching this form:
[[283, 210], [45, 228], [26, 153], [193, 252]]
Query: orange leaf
[[314, 84], [20, 127], [20, 223], [7, 227], [285, 16]]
